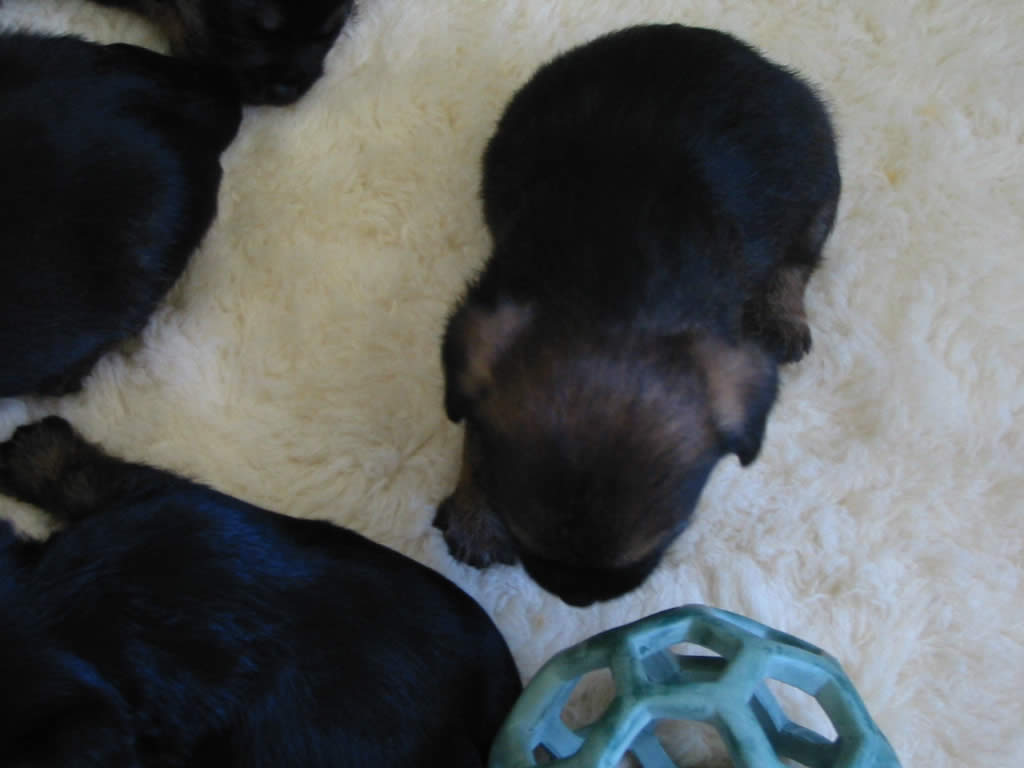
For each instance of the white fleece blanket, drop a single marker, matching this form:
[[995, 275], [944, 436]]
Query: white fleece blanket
[[296, 365]]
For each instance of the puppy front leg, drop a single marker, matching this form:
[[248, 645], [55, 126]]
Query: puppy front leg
[[776, 316], [50, 465], [472, 531]]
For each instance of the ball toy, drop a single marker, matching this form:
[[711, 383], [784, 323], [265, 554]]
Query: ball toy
[[728, 691]]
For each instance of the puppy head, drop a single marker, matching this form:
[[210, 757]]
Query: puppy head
[[594, 450], [275, 49]]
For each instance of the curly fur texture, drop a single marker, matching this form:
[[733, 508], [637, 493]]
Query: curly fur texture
[[883, 518]]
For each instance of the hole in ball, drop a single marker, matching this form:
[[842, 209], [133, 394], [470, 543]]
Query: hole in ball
[[589, 699], [802, 709]]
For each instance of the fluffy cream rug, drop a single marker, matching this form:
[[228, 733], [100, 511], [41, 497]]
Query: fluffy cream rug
[[296, 365]]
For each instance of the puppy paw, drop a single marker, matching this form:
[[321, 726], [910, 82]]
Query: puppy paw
[[776, 317], [787, 341], [39, 456], [474, 538]]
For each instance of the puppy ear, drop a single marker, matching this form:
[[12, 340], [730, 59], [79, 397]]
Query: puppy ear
[[742, 383], [474, 342]]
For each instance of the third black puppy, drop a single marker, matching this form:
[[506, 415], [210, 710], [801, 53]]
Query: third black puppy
[[657, 199], [109, 172], [170, 625]]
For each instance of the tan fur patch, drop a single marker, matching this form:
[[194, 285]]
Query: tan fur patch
[[732, 372], [786, 295], [596, 396], [598, 401], [487, 336]]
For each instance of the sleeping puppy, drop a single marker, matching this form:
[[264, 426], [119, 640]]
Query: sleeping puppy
[[657, 199], [109, 172], [274, 49], [171, 625]]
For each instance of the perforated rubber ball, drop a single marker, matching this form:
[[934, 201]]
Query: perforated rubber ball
[[729, 691]]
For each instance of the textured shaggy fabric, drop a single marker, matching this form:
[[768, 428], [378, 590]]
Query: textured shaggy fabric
[[297, 364]]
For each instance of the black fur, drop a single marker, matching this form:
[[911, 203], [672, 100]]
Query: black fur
[[657, 200], [109, 171], [274, 49], [170, 625]]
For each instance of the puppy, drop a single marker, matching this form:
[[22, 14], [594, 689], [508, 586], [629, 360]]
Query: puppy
[[274, 49], [109, 172], [657, 199], [170, 625]]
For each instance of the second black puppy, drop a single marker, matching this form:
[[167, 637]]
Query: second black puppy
[[658, 199], [109, 173], [170, 625]]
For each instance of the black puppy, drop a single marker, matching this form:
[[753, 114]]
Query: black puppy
[[170, 625], [274, 49], [109, 171], [658, 199]]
